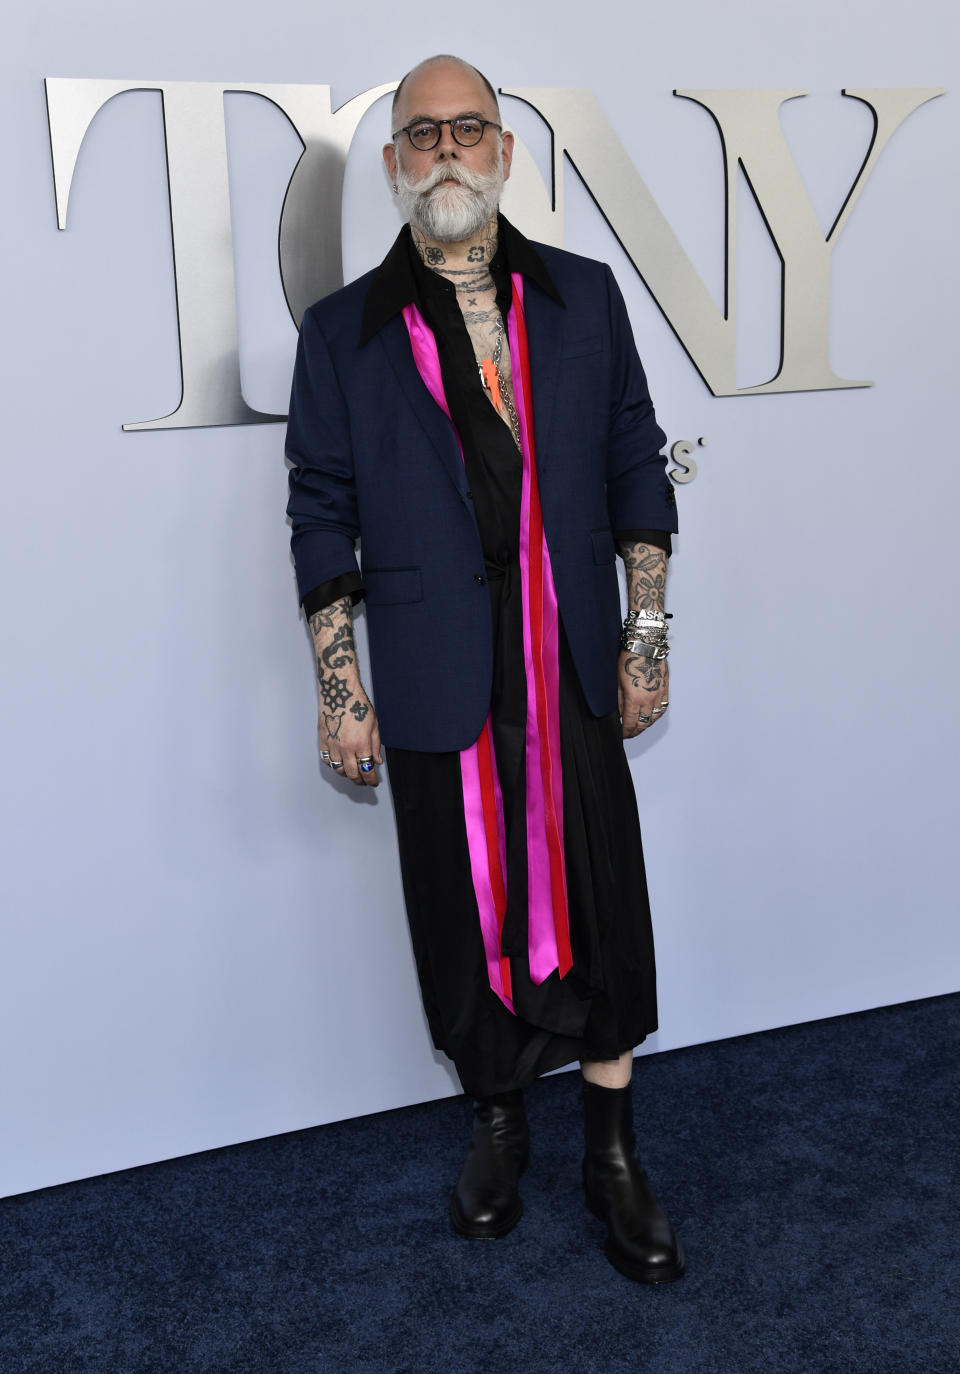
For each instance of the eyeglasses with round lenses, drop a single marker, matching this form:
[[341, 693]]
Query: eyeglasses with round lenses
[[467, 130]]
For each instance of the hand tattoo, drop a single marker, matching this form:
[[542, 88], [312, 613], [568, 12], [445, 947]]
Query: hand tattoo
[[335, 692], [644, 672], [359, 710]]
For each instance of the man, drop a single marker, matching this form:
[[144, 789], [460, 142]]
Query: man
[[475, 411]]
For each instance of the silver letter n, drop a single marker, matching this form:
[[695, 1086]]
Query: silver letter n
[[750, 133]]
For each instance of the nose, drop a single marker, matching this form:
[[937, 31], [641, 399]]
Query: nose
[[448, 145]]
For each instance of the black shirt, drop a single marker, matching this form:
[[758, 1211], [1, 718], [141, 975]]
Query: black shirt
[[491, 457]]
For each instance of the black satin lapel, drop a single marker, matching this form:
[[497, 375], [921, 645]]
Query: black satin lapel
[[395, 340], [545, 325]]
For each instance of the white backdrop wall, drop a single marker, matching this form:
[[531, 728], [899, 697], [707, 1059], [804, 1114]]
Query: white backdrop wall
[[204, 938]]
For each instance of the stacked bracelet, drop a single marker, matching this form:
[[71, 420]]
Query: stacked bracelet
[[645, 634]]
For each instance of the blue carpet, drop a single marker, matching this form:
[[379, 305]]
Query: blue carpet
[[812, 1172]]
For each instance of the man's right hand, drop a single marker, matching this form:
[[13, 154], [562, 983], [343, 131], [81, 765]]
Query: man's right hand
[[349, 735]]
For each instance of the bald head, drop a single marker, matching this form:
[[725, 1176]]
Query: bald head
[[404, 105]]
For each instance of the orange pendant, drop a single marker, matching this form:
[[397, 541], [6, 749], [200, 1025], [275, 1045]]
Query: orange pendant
[[491, 381]]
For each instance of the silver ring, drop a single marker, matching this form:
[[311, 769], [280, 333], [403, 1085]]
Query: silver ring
[[366, 767], [657, 711], [645, 719], [664, 705], [365, 758], [336, 763], [325, 755]]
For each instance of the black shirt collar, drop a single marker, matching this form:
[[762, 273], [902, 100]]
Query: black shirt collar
[[402, 277]]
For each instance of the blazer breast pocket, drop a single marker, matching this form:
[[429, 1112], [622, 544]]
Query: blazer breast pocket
[[604, 549], [392, 586], [579, 348]]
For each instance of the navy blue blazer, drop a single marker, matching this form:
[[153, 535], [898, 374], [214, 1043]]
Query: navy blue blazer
[[375, 458]]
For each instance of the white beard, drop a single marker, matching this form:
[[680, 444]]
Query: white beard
[[451, 214]]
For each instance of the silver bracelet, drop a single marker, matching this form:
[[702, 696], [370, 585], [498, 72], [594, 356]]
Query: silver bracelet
[[642, 649], [650, 634], [632, 637], [647, 618]]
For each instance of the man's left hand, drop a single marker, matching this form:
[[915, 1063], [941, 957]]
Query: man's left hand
[[642, 692]]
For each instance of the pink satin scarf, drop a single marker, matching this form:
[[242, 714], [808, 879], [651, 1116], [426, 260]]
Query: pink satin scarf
[[548, 927]]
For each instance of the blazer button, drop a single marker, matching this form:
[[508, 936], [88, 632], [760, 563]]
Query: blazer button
[[469, 495], [477, 578]]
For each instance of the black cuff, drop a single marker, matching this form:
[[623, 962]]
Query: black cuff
[[347, 584], [659, 539]]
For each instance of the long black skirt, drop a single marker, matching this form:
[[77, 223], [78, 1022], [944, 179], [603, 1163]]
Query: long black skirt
[[607, 1002]]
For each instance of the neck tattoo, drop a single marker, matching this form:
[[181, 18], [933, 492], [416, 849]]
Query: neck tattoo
[[476, 294], [477, 254]]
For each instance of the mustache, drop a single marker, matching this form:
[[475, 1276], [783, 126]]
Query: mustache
[[474, 181]]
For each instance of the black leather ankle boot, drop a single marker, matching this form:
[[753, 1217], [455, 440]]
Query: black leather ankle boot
[[640, 1240], [485, 1203]]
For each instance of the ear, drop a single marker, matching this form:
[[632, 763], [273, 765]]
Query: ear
[[506, 140], [390, 158]]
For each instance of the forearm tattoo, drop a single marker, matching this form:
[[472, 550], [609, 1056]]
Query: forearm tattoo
[[646, 568], [332, 630], [332, 616], [341, 650]]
